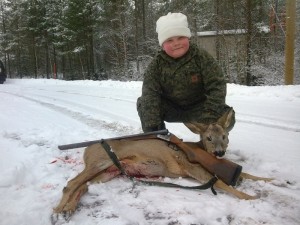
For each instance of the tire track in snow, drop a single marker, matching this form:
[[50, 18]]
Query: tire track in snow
[[88, 95], [119, 128], [94, 123], [269, 122], [108, 111], [60, 103]]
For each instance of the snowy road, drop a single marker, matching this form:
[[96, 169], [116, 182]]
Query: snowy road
[[38, 115]]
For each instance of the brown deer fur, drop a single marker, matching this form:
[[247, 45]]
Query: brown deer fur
[[144, 157]]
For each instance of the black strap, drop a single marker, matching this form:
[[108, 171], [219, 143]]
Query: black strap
[[115, 160], [112, 156]]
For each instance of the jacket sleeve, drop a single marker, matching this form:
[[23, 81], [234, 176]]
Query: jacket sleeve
[[214, 87], [151, 96]]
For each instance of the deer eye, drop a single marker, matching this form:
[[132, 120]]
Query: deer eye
[[224, 137], [208, 138]]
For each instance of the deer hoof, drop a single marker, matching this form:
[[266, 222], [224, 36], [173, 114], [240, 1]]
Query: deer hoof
[[60, 218]]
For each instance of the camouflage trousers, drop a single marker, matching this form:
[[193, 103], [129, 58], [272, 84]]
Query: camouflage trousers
[[170, 112]]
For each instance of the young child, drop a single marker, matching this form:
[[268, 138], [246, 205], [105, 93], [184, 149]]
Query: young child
[[182, 83]]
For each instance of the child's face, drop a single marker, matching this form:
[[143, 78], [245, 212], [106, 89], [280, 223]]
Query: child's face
[[177, 46]]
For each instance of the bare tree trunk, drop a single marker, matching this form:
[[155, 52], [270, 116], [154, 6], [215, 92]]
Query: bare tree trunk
[[82, 67], [248, 43], [217, 24], [91, 69], [144, 20], [35, 61], [136, 44], [54, 63], [6, 55], [47, 59], [290, 41]]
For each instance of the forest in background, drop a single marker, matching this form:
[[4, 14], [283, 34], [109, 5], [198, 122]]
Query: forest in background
[[101, 39]]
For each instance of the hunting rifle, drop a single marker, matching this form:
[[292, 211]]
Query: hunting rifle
[[225, 170]]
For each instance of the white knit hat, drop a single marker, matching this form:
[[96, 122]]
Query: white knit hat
[[171, 25]]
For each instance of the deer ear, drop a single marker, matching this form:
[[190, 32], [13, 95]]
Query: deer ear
[[226, 120], [197, 128]]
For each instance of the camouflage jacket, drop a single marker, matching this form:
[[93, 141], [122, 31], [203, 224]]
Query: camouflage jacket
[[192, 80]]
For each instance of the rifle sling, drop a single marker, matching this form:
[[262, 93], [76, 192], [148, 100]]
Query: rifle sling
[[115, 160]]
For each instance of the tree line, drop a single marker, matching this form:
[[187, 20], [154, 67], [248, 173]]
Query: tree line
[[116, 39]]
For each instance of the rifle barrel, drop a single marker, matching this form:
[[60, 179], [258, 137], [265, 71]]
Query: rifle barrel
[[133, 136]]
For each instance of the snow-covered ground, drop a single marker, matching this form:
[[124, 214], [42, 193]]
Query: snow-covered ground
[[38, 115]]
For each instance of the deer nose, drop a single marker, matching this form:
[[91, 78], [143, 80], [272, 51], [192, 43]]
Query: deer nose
[[219, 153]]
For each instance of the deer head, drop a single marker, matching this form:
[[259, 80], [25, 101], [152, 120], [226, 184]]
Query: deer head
[[214, 136]]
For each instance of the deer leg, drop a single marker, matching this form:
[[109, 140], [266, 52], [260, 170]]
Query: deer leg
[[70, 206], [76, 187], [81, 190], [239, 194], [70, 191], [255, 178]]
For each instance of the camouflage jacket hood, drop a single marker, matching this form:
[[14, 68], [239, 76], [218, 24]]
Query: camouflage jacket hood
[[192, 80]]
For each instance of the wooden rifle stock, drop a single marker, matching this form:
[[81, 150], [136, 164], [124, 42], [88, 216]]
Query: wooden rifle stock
[[225, 170]]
